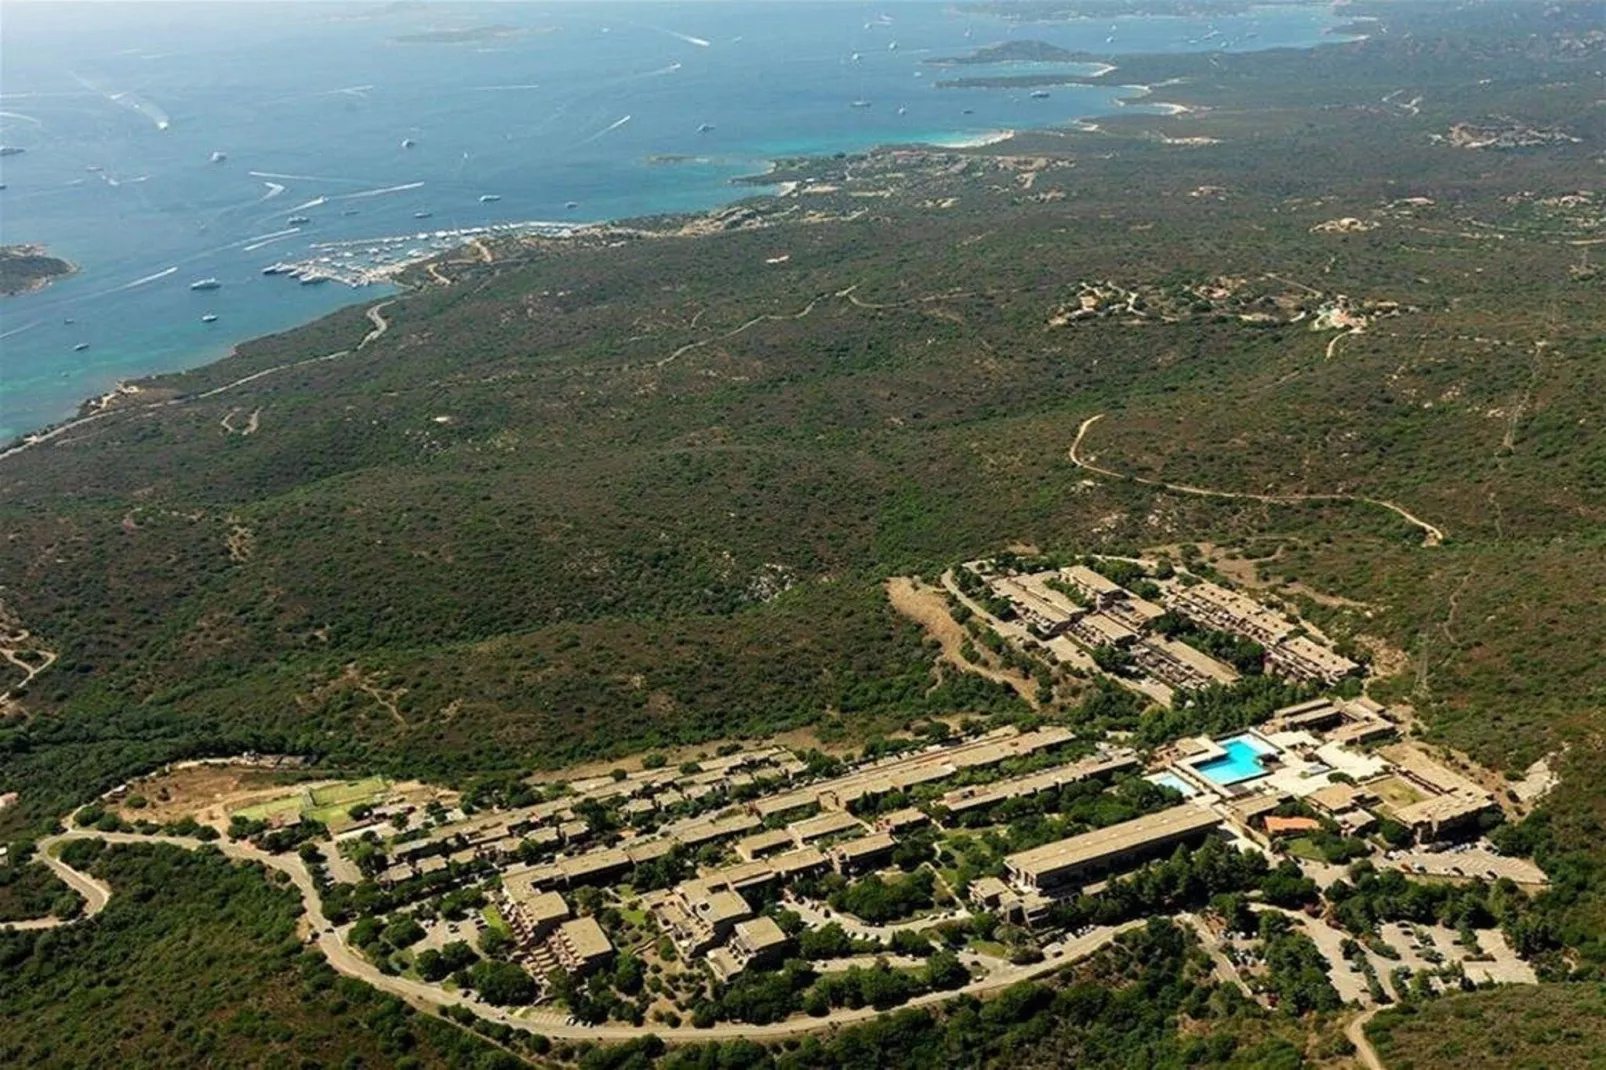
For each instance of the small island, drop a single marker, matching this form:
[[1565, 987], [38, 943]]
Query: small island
[[469, 35], [26, 268], [1010, 52]]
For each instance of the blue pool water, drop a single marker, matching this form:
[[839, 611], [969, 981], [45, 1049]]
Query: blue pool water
[[1241, 762], [165, 143], [1176, 783]]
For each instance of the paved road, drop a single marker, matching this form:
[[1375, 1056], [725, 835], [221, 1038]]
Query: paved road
[[428, 997]]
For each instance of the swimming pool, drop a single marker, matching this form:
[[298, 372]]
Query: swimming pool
[[1241, 762], [1176, 783]]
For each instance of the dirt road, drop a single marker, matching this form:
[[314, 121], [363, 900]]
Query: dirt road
[[1431, 535], [430, 998], [1356, 1031], [928, 607]]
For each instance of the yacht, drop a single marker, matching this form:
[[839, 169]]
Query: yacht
[[1039, 94], [487, 198], [861, 104], [210, 317], [422, 215], [408, 142], [205, 284], [298, 220], [705, 128], [219, 157], [80, 347]]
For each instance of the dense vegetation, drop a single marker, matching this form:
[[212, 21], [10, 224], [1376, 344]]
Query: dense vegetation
[[1551, 1027], [195, 962], [609, 495]]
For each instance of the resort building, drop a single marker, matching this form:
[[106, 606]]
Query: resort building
[[957, 804], [1051, 868], [863, 854], [756, 944], [697, 916], [580, 946]]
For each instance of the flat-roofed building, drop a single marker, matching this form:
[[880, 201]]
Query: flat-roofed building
[[756, 944], [1180, 665], [698, 916], [534, 915], [996, 897], [1307, 659], [773, 805], [593, 867], [1053, 866], [979, 798], [580, 946], [697, 833], [760, 844], [574, 831], [863, 854], [902, 820], [1441, 816], [1136, 613], [741, 877], [1217, 607], [1096, 587], [797, 863], [830, 823], [645, 850], [1101, 630]]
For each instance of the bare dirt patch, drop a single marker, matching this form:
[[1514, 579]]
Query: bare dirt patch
[[208, 792], [928, 607]]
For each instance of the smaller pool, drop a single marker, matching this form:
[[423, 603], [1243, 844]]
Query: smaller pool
[[1241, 762], [1176, 783]]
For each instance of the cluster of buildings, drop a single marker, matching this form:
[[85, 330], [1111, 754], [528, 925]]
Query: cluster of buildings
[[1288, 651], [1082, 607], [776, 838]]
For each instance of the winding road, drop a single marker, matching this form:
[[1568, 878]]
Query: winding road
[[1431, 535], [550, 1023]]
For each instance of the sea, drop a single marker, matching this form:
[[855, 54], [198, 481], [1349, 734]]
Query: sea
[[168, 142]]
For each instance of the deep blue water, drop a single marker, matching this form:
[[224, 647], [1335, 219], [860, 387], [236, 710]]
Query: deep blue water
[[121, 106]]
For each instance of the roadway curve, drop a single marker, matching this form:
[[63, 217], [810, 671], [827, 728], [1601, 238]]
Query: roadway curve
[[1356, 1032], [430, 998], [1431, 535]]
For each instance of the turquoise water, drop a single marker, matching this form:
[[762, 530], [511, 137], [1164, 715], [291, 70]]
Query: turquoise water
[[1176, 783], [1241, 762], [120, 108]]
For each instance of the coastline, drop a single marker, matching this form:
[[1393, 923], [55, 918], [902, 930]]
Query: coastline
[[125, 393], [34, 283]]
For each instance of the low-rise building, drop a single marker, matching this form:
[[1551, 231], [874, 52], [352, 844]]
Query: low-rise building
[[977, 798], [830, 823], [533, 917], [901, 821], [1054, 866], [761, 844], [580, 946], [755, 944], [863, 854], [698, 917]]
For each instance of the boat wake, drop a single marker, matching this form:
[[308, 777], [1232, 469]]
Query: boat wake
[[274, 189], [610, 128], [371, 192], [147, 279]]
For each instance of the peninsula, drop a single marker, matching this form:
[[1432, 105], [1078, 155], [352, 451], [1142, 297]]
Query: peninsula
[[26, 268]]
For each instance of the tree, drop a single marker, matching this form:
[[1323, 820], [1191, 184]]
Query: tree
[[502, 983]]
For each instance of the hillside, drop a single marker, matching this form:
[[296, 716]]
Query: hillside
[[600, 495]]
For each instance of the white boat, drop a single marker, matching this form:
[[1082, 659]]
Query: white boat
[[487, 198], [1039, 94], [298, 221], [210, 317], [422, 215], [571, 205], [705, 128], [860, 104], [205, 284], [80, 347], [219, 157], [408, 142]]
